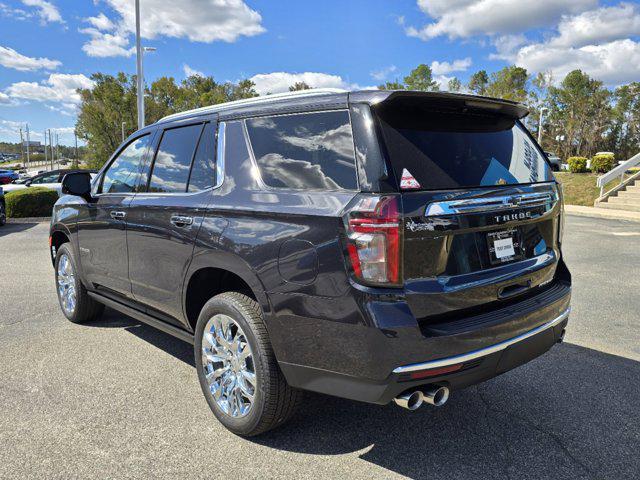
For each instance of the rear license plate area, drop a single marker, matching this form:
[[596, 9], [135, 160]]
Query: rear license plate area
[[504, 246]]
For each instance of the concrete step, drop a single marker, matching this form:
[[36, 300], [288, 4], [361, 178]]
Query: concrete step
[[630, 194], [634, 188], [629, 207], [623, 201]]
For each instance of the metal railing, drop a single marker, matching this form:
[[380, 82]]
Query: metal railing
[[619, 171]]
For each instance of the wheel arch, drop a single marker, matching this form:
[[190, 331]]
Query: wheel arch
[[59, 235], [212, 273]]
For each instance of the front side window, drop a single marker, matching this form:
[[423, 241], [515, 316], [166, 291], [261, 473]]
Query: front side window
[[305, 151], [123, 173], [50, 178], [172, 165]]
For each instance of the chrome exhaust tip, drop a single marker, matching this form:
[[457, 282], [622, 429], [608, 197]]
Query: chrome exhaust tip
[[436, 395], [410, 400]]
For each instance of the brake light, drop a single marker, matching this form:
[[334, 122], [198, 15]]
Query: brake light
[[373, 235]]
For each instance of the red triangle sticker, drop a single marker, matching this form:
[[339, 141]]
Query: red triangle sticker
[[408, 182]]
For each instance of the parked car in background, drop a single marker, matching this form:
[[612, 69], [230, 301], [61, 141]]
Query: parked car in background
[[3, 209], [378, 246], [8, 176], [51, 179], [554, 160]]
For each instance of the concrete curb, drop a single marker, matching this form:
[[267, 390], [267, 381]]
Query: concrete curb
[[602, 213], [29, 220]]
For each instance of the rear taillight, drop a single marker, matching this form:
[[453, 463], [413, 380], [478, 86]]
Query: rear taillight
[[373, 236]]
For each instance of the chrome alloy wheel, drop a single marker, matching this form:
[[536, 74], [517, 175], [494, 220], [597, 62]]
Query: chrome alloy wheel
[[229, 370], [66, 285]]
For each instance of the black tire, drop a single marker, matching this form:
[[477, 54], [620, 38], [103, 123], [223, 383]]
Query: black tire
[[86, 308], [3, 214], [274, 400]]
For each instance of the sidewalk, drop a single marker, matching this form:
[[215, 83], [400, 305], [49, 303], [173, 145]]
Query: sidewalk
[[601, 213]]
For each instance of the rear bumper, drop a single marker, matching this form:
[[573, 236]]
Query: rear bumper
[[486, 351], [375, 359], [484, 364]]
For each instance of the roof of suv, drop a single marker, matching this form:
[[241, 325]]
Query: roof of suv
[[316, 98]]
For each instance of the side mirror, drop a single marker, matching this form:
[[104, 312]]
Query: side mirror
[[78, 184]]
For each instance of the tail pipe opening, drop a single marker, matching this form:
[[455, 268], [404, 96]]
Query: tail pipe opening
[[433, 395]]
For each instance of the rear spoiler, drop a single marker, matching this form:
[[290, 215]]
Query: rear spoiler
[[455, 101]]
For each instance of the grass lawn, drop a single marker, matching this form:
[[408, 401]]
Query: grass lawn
[[581, 188]]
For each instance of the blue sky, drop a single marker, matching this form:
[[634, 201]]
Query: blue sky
[[50, 47]]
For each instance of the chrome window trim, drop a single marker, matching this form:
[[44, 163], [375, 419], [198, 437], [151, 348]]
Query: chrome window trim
[[491, 204], [219, 170], [483, 352]]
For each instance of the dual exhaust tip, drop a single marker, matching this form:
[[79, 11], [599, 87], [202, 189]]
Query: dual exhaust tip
[[433, 395]]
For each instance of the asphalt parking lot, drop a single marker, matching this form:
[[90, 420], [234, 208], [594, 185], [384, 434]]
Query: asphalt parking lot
[[117, 399]]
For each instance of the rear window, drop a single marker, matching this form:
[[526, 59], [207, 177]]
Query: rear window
[[305, 151], [445, 151]]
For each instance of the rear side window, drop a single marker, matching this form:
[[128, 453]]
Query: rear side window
[[203, 172], [123, 173], [305, 151], [446, 151], [170, 172]]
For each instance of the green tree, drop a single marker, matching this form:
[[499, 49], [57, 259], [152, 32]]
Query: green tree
[[454, 85], [509, 83], [478, 82], [103, 110], [391, 86], [421, 79], [580, 111], [624, 137], [299, 86], [112, 101]]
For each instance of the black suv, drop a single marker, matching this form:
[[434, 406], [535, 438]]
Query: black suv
[[375, 246]]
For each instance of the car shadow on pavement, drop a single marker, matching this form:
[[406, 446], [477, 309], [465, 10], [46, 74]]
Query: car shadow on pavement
[[572, 413]]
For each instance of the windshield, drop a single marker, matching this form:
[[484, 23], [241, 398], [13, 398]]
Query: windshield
[[446, 151]]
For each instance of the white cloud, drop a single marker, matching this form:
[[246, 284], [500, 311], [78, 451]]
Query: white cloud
[[11, 59], [278, 82], [597, 42], [599, 25], [614, 63], [47, 12], [506, 45], [191, 72], [196, 20], [101, 22], [105, 44], [10, 128], [383, 73], [59, 88], [442, 68], [465, 18]]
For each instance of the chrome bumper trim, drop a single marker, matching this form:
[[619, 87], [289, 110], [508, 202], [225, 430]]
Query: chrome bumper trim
[[466, 357]]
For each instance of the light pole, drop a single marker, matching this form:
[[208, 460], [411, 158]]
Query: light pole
[[542, 110], [122, 126], [140, 80]]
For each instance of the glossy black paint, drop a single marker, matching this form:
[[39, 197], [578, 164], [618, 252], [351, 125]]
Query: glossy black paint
[[329, 333]]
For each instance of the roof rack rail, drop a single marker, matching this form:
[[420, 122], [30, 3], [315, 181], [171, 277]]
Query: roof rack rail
[[252, 101]]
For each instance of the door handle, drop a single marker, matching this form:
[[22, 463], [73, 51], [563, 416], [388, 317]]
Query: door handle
[[118, 215], [181, 221]]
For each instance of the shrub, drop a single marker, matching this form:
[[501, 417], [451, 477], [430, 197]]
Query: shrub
[[577, 164], [30, 202], [602, 163]]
